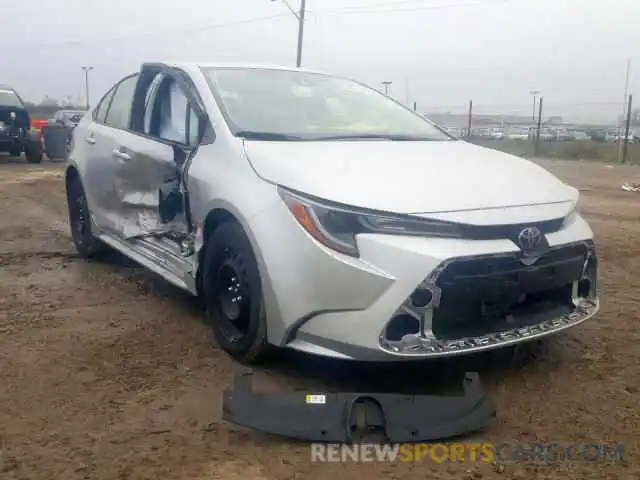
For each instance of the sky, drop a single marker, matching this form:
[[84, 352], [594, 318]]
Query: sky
[[438, 53]]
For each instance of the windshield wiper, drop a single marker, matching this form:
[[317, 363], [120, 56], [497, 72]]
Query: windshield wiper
[[251, 135], [376, 136]]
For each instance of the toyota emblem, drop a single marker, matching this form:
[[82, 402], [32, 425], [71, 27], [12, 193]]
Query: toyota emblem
[[529, 238]]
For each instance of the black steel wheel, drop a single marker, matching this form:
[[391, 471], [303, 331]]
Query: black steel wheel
[[80, 221], [232, 294]]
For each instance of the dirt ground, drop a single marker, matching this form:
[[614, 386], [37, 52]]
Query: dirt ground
[[107, 372]]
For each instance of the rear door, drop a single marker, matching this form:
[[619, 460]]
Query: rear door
[[99, 140]]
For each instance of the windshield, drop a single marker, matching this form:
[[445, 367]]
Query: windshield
[[9, 99], [292, 105]]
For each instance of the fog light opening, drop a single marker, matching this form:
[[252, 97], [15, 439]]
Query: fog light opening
[[421, 298], [401, 325], [584, 287]]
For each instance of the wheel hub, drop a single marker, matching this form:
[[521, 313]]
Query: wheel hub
[[230, 294], [79, 220]]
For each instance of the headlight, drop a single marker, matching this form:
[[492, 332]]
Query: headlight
[[574, 213], [336, 227]]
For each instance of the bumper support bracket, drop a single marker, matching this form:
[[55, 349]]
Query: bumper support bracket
[[337, 417]]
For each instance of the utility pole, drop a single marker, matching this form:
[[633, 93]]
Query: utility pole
[[386, 84], [469, 119], [537, 145], [415, 106], [300, 16], [625, 140], [86, 69], [622, 142], [533, 116]]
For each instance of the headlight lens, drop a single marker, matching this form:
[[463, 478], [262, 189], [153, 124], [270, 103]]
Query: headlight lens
[[574, 213], [571, 217], [337, 227]]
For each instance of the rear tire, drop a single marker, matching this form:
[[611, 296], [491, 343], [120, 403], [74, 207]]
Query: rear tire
[[86, 244], [33, 151], [232, 295]]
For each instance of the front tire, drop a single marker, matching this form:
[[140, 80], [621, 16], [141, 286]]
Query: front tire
[[233, 298], [80, 221]]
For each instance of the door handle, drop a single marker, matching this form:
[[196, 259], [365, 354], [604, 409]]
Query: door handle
[[91, 140], [121, 155]]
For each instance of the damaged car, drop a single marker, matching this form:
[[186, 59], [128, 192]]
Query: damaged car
[[16, 136], [312, 212]]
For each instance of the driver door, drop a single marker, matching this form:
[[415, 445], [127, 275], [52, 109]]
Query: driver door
[[151, 156]]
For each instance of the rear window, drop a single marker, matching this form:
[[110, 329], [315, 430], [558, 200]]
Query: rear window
[[8, 98]]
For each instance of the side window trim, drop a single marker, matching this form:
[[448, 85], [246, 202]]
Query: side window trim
[[113, 92], [137, 124], [97, 110]]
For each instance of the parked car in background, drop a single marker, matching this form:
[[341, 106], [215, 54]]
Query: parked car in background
[[579, 135], [312, 212], [630, 137], [612, 136], [517, 135], [16, 136], [496, 134], [547, 135], [57, 134], [68, 118], [562, 135]]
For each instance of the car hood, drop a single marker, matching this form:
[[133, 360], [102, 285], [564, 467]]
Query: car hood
[[407, 177]]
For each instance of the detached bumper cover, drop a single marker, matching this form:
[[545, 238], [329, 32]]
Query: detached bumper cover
[[334, 417]]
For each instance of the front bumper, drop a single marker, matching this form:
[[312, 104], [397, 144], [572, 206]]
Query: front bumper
[[9, 141], [565, 286], [482, 295]]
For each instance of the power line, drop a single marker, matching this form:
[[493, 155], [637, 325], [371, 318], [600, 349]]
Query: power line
[[155, 34], [373, 5], [372, 9], [339, 11]]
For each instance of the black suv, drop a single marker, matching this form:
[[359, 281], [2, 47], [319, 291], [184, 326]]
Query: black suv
[[15, 127]]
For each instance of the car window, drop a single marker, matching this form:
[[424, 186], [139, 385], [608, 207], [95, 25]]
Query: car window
[[8, 98], [120, 108], [174, 108], [101, 110]]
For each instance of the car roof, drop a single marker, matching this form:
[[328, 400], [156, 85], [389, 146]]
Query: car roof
[[198, 65]]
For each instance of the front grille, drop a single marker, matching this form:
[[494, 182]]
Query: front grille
[[484, 295], [491, 232]]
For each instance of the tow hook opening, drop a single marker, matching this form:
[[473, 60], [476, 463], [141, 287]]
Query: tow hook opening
[[366, 421], [401, 325]]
